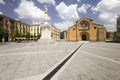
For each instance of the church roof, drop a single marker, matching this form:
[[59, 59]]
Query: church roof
[[98, 24], [86, 18]]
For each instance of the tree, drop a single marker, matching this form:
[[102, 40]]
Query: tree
[[28, 35], [34, 36], [12, 35], [38, 36], [17, 34], [31, 36], [2, 33]]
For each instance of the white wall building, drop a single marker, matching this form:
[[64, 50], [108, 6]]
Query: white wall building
[[35, 29]]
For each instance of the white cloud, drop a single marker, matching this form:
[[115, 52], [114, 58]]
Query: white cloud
[[1, 12], [108, 17], [93, 9], [68, 14], [84, 8], [27, 10], [47, 1], [108, 12], [78, 1], [2, 2], [110, 27], [64, 25]]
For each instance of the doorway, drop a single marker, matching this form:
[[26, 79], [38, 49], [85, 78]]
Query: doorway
[[84, 37]]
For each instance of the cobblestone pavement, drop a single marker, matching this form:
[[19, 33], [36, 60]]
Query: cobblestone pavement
[[93, 61], [21, 61]]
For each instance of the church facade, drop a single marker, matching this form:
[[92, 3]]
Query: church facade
[[86, 30]]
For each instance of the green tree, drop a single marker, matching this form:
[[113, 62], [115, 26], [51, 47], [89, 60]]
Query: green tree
[[118, 38], [12, 35], [34, 36], [31, 36], [17, 34], [28, 35], [38, 36], [2, 33]]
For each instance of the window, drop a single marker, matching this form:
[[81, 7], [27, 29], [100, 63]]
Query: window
[[84, 24], [23, 29], [95, 27], [37, 30], [31, 29], [1, 19], [73, 28]]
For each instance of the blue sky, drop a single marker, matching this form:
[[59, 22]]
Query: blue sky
[[63, 13]]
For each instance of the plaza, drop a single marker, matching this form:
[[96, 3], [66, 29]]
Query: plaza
[[29, 61], [59, 40]]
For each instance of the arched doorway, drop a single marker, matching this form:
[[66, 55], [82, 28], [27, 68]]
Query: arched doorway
[[84, 37]]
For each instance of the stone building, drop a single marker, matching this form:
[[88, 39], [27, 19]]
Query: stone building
[[55, 32], [111, 36], [11, 25], [35, 29], [86, 30], [63, 35], [52, 31], [118, 26]]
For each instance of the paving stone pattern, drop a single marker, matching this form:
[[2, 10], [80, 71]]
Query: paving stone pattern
[[22, 60], [94, 61]]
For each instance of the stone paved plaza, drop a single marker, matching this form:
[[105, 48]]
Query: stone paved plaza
[[29, 61], [20, 61], [94, 61]]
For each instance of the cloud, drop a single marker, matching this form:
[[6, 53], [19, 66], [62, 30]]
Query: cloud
[[27, 10], [64, 25], [1, 12], [84, 8], [108, 11], [2, 2], [93, 9], [78, 1], [47, 1], [110, 27], [68, 14]]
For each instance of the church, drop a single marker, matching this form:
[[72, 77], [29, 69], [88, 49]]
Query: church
[[86, 30]]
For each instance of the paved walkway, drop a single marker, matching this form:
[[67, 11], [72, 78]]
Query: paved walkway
[[93, 61], [28, 61]]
